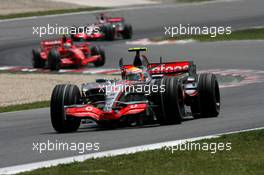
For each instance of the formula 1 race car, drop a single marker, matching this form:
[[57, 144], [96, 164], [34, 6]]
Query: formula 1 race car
[[63, 53], [107, 28], [148, 92]]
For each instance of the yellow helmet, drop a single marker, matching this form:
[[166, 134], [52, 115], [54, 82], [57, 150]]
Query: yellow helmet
[[134, 74]]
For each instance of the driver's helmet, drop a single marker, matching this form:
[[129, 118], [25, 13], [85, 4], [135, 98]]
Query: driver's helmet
[[67, 45], [102, 18], [66, 39], [134, 74]]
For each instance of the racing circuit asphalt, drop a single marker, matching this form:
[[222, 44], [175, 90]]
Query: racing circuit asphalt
[[242, 107]]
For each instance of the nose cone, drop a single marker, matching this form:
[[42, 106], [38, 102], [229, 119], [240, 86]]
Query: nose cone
[[78, 53]]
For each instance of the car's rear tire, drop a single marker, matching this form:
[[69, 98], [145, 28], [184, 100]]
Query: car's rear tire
[[62, 95], [37, 61], [54, 60], [127, 33], [169, 100], [207, 103], [98, 51]]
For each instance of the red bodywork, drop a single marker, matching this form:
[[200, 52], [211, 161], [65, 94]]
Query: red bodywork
[[79, 55], [85, 36], [116, 113]]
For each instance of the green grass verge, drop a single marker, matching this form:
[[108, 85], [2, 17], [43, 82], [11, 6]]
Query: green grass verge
[[49, 12], [245, 158], [247, 34], [35, 105]]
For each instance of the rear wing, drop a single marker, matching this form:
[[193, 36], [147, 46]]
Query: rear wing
[[50, 43], [166, 68], [171, 67], [160, 68], [116, 19]]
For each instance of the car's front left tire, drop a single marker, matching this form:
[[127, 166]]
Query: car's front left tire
[[63, 95]]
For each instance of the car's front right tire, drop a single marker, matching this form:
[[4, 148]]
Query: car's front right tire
[[207, 103], [98, 51], [169, 101], [54, 60], [127, 33], [109, 32]]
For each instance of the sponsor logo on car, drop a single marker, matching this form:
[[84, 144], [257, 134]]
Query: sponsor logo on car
[[165, 68]]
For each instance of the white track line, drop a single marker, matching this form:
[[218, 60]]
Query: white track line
[[146, 41], [6, 68], [130, 150]]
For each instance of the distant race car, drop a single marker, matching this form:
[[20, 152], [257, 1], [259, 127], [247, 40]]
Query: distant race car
[[148, 92], [63, 53], [106, 28]]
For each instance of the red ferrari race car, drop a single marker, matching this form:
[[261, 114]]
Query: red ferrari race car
[[107, 28], [164, 93], [63, 53]]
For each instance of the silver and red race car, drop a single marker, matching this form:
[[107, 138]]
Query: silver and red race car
[[106, 28], [63, 53], [148, 92]]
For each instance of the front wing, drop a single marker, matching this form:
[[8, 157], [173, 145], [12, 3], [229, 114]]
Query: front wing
[[96, 114]]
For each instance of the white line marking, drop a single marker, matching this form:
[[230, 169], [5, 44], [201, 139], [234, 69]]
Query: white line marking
[[7, 67], [146, 41], [130, 150]]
